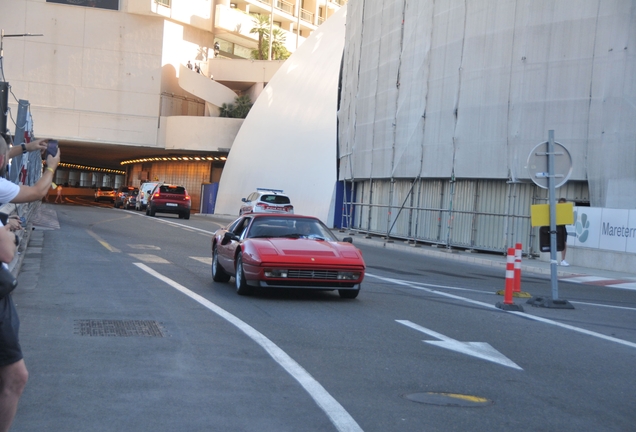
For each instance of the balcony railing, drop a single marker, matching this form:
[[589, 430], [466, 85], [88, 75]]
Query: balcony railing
[[281, 5], [289, 8], [306, 16]]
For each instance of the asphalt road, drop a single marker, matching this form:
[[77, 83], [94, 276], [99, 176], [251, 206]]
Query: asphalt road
[[409, 354]]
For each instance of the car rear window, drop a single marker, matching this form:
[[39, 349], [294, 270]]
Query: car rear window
[[179, 190], [275, 199], [106, 189]]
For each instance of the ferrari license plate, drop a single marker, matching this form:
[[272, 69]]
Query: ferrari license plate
[[171, 204]]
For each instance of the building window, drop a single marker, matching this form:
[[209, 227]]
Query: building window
[[102, 4], [165, 3]]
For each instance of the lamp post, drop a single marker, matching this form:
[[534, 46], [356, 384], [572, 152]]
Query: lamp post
[[271, 31], [4, 86]]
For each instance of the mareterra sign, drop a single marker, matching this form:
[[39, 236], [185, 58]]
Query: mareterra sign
[[603, 228]]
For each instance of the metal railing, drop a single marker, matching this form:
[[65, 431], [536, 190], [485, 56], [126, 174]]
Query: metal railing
[[289, 8], [306, 16], [486, 215], [281, 5]]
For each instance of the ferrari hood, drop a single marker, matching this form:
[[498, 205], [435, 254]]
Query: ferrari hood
[[308, 250]]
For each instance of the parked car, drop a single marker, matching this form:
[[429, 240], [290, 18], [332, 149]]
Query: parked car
[[266, 201], [285, 251], [121, 194], [167, 198], [131, 199], [144, 192], [105, 193]]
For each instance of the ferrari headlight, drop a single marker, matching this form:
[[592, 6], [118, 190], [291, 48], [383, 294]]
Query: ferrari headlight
[[276, 273], [348, 275]]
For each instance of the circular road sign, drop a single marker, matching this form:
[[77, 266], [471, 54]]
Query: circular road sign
[[538, 165]]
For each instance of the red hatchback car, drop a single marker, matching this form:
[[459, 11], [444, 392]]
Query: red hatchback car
[[285, 251], [166, 198]]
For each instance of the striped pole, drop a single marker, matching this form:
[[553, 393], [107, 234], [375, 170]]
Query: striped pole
[[517, 287], [510, 276]]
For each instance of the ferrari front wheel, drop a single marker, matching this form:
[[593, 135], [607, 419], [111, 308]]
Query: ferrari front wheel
[[218, 274], [349, 294], [241, 284]]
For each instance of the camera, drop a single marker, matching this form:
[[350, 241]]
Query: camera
[[51, 148]]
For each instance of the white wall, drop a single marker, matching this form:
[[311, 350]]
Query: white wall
[[93, 76], [200, 133], [288, 140]]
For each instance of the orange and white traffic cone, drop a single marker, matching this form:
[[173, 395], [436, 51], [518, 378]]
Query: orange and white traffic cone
[[508, 304], [517, 287]]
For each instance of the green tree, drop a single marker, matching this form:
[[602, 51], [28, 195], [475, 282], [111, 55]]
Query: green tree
[[279, 52], [242, 106], [239, 109], [261, 27], [226, 110]]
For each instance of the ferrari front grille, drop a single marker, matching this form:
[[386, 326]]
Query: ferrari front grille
[[312, 274]]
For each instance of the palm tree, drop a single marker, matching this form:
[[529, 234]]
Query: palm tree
[[226, 110], [242, 106], [261, 26], [239, 109], [279, 52]]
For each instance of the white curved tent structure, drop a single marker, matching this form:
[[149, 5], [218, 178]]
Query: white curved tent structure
[[288, 141]]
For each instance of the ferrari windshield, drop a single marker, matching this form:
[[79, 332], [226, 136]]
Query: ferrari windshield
[[289, 227]]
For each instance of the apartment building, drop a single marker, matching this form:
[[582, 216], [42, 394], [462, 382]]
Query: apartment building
[[110, 80]]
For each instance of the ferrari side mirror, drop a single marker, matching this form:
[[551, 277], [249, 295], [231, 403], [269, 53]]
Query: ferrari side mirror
[[228, 237]]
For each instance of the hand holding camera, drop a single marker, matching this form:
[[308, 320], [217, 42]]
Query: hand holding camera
[[52, 154]]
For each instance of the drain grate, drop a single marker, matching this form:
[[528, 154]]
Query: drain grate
[[125, 328]]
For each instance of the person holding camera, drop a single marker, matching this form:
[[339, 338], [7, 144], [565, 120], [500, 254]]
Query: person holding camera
[[11, 192], [13, 371]]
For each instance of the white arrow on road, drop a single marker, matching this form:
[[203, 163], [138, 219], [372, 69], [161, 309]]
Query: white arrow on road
[[481, 350]]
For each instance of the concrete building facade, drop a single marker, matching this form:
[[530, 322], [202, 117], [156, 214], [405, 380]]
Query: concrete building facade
[[442, 103], [108, 79]]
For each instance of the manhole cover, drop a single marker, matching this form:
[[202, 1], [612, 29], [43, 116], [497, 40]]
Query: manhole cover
[[125, 328], [449, 399]]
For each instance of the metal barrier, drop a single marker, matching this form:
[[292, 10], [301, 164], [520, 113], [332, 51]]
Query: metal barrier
[[487, 215]]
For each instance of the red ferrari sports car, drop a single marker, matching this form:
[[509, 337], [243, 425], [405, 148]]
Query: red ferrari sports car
[[285, 251]]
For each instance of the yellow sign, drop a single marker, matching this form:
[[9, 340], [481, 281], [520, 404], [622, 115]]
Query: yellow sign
[[540, 214]]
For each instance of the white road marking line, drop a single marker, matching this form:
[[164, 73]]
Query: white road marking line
[[490, 306], [626, 285], [187, 227], [204, 260], [605, 306], [150, 258], [482, 350], [340, 418], [583, 279], [142, 246]]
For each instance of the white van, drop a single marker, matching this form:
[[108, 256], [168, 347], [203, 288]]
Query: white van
[[144, 191]]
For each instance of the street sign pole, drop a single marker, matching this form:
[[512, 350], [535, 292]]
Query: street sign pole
[[552, 200], [562, 172]]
